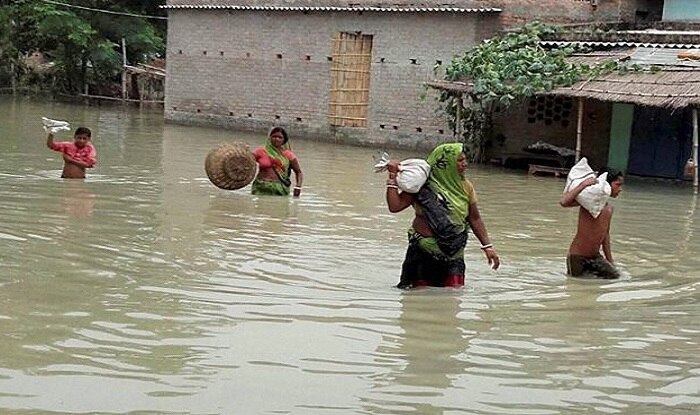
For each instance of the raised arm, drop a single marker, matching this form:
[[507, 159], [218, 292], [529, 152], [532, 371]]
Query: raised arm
[[479, 228], [49, 141], [569, 198], [395, 200]]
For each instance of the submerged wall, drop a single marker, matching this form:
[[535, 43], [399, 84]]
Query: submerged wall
[[254, 69]]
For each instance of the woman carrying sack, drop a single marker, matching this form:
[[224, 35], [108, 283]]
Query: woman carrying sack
[[438, 235], [276, 161]]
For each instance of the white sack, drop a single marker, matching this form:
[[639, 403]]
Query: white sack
[[413, 173], [593, 198], [381, 162], [54, 126]]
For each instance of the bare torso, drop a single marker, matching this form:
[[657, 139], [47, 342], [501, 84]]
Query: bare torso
[[591, 232], [72, 171], [420, 225], [268, 174]]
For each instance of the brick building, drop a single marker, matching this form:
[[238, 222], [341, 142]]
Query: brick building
[[344, 71]]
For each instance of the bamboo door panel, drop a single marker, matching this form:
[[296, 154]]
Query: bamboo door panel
[[350, 76]]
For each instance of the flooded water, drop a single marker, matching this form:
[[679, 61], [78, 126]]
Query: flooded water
[[145, 289]]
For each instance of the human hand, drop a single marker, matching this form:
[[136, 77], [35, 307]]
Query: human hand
[[393, 166], [589, 182], [297, 191], [492, 257]]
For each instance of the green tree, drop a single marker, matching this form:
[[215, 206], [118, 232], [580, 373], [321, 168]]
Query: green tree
[[503, 70], [84, 37]]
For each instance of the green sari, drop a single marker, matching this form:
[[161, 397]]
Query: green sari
[[281, 166], [448, 184], [446, 180]]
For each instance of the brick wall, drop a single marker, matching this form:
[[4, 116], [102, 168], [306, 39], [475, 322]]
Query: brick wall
[[518, 12], [252, 69]]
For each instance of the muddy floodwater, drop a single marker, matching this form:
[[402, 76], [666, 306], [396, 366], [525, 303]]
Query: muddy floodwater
[[144, 289]]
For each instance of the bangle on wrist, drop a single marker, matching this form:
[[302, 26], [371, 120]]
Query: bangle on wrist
[[392, 186], [297, 187], [487, 246]]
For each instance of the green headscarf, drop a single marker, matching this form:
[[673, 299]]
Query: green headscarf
[[446, 180], [275, 153]]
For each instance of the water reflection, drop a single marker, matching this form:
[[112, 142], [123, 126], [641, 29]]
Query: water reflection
[[688, 221], [77, 200], [425, 368], [147, 280]]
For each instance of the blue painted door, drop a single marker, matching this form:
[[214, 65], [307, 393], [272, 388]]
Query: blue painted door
[[660, 143]]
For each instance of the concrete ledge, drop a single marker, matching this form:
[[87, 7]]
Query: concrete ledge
[[363, 137]]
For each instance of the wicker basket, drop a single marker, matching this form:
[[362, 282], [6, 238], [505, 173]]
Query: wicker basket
[[230, 166]]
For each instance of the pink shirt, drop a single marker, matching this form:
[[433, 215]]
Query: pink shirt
[[265, 161], [87, 154]]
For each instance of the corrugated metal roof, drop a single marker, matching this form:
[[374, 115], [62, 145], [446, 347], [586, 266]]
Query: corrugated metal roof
[[601, 56], [661, 32], [666, 57], [621, 44], [675, 85], [337, 8]]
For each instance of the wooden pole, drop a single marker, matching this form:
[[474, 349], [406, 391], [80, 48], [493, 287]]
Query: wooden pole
[[124, 95], [695, 148], [13, 81], [458, 119], [579, 129]]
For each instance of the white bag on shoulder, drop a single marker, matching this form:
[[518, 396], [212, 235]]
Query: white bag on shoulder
[[593, 198], [413, 173]]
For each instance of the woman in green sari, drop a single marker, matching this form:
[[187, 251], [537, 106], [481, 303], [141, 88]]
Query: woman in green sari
[[276, 161], [444, 206]]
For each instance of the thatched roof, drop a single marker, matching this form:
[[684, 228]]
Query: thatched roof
[[676, 84], [668, 88], [455, 87]]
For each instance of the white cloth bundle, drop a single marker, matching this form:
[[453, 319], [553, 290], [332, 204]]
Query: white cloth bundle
[[594, 197], [413, 173], [54, 126]]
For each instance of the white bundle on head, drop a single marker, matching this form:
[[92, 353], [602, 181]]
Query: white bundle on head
[[593, 198], [54, 126]]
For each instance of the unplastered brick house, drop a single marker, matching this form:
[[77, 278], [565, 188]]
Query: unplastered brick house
[[347, 71]]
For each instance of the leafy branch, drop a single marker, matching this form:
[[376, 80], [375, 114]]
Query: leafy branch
[[506, 69]]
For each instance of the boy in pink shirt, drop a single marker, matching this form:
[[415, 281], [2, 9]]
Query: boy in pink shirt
[[77, 156]]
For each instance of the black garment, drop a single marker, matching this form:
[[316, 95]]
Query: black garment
[[596, 267], [450, 237], [420, 265]]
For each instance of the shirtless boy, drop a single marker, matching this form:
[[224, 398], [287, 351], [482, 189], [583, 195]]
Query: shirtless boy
[[77, 155], [593, 233]]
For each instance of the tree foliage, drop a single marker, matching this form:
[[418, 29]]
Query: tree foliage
[[503, 70], [83, 42]]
